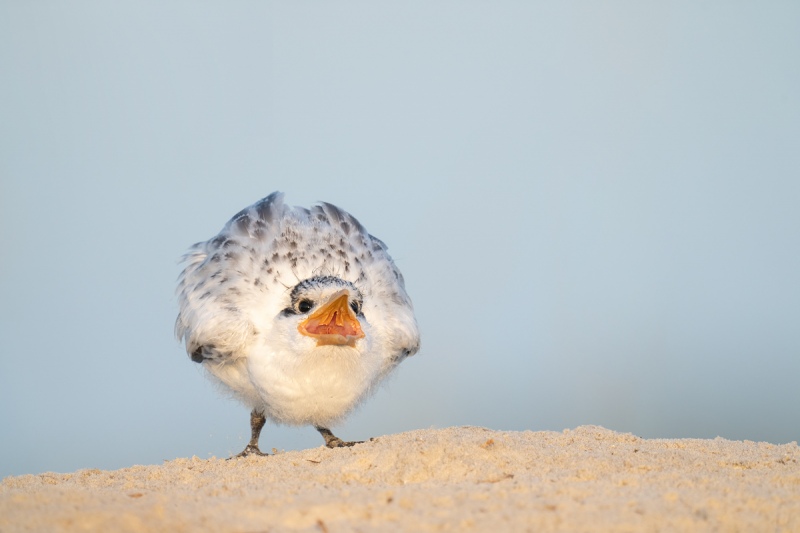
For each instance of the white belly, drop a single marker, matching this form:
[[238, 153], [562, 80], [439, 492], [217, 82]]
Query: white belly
[[316, 390]]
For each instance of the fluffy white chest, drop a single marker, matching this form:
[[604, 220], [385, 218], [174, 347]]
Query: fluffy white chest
[[317, 389]]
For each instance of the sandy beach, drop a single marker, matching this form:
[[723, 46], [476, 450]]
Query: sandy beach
[[453, 479]]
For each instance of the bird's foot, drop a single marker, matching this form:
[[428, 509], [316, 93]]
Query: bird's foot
[[336, 442], [332, 441], [257, 421], [251, 449]]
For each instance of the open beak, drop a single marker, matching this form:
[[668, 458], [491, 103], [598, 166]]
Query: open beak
[[334, 323]]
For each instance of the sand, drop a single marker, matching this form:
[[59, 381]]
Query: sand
[[454, 479]]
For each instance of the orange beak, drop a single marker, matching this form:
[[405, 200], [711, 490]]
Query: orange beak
[[334, 323]]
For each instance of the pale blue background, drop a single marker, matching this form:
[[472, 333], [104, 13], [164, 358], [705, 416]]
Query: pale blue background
[[596, 206]]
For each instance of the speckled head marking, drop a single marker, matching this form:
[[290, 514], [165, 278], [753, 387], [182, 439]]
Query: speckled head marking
[[321, 281]]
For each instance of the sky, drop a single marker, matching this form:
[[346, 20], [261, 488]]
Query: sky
[[594, 205]]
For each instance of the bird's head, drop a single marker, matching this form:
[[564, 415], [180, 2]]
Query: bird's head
[[328, 310]]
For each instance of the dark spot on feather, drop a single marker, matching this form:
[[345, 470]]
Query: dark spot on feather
[[276, 256], [264, 207], [205, 295], [233, 256], [197, 355], [215, 258], [203, 352], [243, 222], [345, 227], [223, 280], [257, 282], [293, 245], [241, 213], [398, 299]]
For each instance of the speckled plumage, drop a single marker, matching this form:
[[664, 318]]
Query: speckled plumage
[[243, 293]]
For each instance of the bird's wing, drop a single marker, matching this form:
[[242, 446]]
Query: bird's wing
[[219, 281]]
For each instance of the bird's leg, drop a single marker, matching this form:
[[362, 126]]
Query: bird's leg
[[332, 441], [257, 420]]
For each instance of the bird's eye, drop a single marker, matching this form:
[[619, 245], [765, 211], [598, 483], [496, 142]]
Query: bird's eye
[[356, 307], [304, 306]]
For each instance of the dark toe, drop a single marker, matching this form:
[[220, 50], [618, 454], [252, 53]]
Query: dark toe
[[249, 450], [339, 443]]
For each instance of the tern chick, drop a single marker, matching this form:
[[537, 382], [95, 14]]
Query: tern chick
[[299, 312]]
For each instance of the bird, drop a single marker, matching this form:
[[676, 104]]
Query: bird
[[299, 312]]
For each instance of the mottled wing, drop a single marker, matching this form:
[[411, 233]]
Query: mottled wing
[[217, 284]]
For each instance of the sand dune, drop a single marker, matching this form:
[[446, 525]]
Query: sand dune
[[454, 479]]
